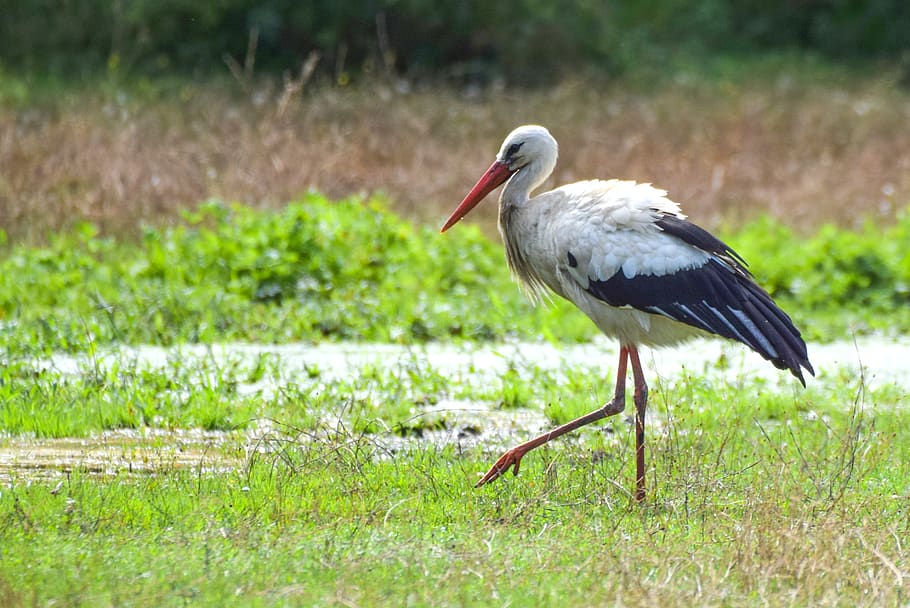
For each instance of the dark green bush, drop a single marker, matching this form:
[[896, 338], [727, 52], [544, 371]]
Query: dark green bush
[[314, 270], [839, 280], [475, 39], [351, 270]]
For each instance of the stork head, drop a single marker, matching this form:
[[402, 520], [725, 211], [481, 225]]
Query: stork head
[[529, 148]]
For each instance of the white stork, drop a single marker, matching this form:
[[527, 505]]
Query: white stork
[[626, 256]]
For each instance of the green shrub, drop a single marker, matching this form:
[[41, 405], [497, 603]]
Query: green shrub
[[351, 270], [838, 280], [525, 40], [313, 270]]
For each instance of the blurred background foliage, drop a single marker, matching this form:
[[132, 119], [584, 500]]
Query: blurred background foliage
[[473, 40]]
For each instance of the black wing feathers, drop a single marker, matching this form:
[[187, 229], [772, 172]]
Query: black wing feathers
[[719, 297], [698, 237]]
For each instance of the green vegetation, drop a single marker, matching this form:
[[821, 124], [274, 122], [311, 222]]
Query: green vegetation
[[312, 271], [800, 498], [143, 463], [864, 273], [472, 40], [351, 270], [356, 488]]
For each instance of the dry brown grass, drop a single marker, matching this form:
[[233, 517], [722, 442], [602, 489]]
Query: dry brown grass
[[806, 153]]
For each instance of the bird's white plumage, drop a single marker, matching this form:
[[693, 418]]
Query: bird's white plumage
[[624, 254], [619, 249], [618, 204], [608, 226], [636, 247]]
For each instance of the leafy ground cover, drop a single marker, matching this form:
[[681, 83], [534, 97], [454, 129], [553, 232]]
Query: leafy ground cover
[[358, 491], [318, 270]]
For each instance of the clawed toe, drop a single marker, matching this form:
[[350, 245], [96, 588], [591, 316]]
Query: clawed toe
[[509, 460]]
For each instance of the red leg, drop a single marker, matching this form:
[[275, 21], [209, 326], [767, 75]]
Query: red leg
[[641, 403], [513, 457]]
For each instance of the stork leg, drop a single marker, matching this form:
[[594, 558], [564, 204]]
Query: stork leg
[[640, 398], [512, 458]]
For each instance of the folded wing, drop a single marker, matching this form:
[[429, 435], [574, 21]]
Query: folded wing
[[684, 273]]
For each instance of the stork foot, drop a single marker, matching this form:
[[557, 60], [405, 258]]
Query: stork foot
[[509, 460]]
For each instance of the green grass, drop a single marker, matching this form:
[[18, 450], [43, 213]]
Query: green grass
[[359, 490], [197, 392], [793, 498]]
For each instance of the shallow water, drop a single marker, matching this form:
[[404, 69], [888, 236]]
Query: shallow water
[[149, 450], [113, 453], [881, 360]]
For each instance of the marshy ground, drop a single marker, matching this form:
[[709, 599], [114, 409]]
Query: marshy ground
[[286, 403], [488, 420], [346, 471]]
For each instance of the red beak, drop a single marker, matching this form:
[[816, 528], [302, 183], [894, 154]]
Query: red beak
[[495, 175]]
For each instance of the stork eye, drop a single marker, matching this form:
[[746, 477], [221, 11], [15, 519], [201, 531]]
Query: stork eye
[[513, 149]]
